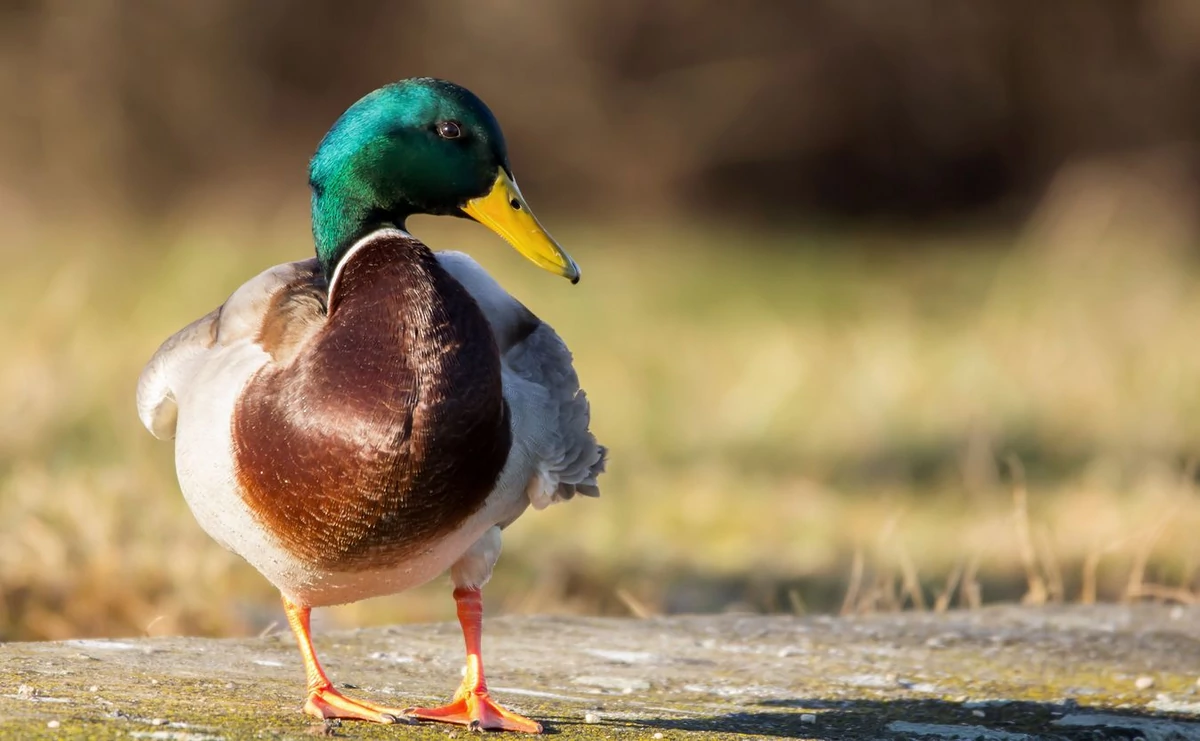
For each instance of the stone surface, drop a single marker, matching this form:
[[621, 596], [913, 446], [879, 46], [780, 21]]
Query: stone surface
[[1001, 673]]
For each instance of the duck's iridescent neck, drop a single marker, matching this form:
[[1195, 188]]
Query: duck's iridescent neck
[[342, 214]]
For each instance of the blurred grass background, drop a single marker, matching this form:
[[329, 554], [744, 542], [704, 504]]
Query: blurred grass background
[[887, 305]]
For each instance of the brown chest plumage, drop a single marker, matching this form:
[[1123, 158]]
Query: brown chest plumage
[[386, 427]]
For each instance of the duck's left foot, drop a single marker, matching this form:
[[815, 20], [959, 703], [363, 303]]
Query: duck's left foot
[[327, 703], [477, 711]]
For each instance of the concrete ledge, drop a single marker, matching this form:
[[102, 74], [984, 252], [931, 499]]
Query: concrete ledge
[[1002, 673]]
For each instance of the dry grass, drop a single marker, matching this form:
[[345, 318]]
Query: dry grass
[[797, 422]]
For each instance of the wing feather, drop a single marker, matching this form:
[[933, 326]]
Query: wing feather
[[551, 413], [171, 369]]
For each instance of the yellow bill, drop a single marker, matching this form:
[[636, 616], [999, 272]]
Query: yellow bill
[[503, 210]]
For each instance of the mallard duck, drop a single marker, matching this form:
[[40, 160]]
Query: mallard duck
[[357, 423]]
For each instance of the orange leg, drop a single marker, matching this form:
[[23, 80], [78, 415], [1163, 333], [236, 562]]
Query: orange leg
[[323, 700], [472, 706]]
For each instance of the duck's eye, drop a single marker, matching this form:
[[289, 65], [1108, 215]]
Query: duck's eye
[[449, 130]]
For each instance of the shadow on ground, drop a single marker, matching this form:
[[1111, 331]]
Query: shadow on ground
[[921, 719]]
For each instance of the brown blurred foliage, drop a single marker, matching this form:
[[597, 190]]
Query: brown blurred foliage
[[838, 108]]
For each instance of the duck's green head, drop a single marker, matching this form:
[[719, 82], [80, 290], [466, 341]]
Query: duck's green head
[[420, 146]]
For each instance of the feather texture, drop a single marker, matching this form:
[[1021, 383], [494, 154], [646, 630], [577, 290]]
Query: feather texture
[[551, 412], [328, 520]]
